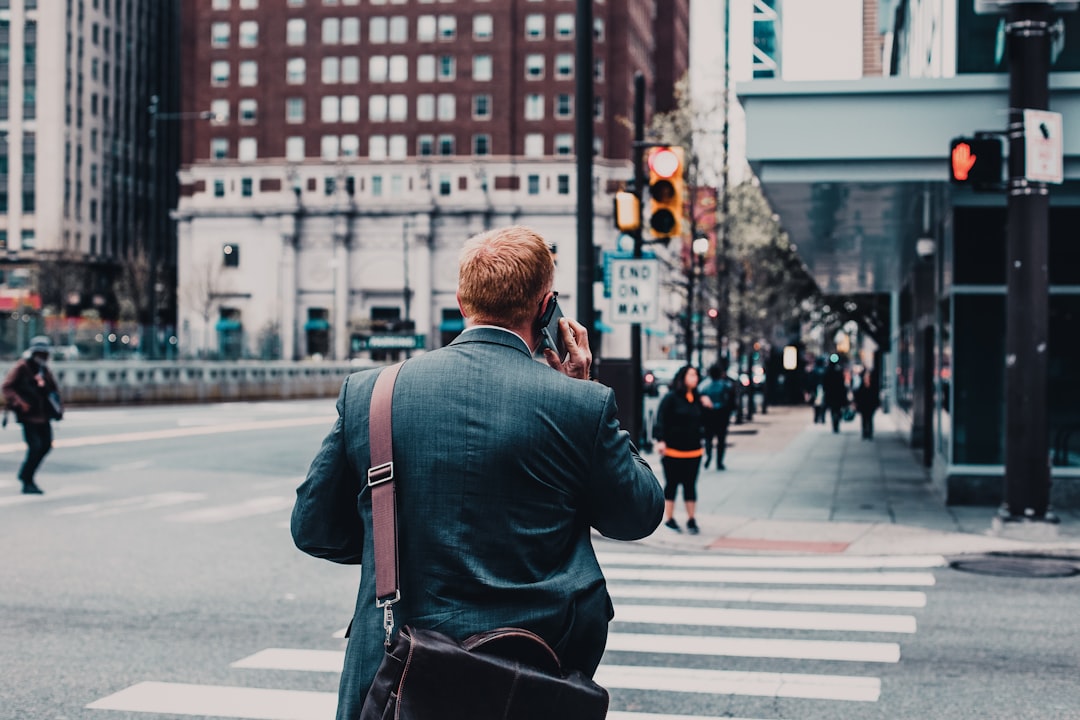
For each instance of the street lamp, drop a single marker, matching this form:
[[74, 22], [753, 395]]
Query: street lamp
[[159, 220], [700, 248]]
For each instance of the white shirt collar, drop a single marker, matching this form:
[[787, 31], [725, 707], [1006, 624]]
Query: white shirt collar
[[496, 327]]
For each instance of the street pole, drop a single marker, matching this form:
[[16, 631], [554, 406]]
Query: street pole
[[723, 317], [639, 191], [584, 151], [1027, 469], [699, 258]]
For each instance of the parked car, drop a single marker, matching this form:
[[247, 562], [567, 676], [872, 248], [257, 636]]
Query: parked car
[[659, 373]]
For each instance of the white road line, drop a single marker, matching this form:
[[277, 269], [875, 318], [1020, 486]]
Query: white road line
[[138, 502], [867, 598], [58, 494], [224, 513], [292, 659], [755, 647], [221, 701], [844, 562], [772, 577], [726, 682], [779, 619]]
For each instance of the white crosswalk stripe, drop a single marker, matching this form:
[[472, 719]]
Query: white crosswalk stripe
[[734, 621]]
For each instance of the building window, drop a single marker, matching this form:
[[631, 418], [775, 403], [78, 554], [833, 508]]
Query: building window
[[425, 68], [399, 29], [376, 151], [533, 183], [483, 27], [399, 108], [534, 66], [294, 110], [249, 34], [329, 147], [219, 73], [444, 185], [219, 34], [350, 108], [564, 144], [446, 145], [425, 28], [447, 106], [350, 31], [598, 29], [331, 31], [564, 26], [331, 109], [564, 66], [378, 68], [534, 27], [447, 67], [563, 184], [296, 71], [246, 189], [425, 107], [219, 188], [331, 70], [598, 108], [399, 68], [230, 252], [249, 4], [534, 145], [481, 69], [220, 110], [247, 110], [425, 145], [296, 32], [350, 147], [350, 69], [377, 30], [377, 107], [249, 73], [447, 27], [294, 149], [598, 71], [376, 184], [534, 106], [564, 105], [481, 107], [218, 4], [247, 150], [399, 147], [481, 144]]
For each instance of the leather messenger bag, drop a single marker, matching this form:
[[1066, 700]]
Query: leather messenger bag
[[501, 674]]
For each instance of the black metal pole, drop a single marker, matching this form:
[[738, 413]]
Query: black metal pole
[[1027, 469], [723, 270], [639, 190], [584, 150]]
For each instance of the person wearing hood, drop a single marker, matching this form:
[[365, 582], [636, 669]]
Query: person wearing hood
[[30, 390]]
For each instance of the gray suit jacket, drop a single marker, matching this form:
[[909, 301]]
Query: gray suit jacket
[[502, 467]]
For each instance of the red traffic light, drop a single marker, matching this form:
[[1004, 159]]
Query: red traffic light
[[977, 162], [664, 163]]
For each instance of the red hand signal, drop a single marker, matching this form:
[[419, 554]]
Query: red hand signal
[[962, 161]]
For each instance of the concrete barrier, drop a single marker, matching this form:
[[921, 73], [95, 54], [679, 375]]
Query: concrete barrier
[[123, 382]]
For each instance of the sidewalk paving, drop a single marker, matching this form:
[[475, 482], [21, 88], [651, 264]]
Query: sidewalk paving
[[795, 487]]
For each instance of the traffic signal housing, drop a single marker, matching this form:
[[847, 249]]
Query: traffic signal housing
[[667, 188], [627, 211], [976, 162]]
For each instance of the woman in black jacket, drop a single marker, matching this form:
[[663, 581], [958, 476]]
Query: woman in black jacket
[[678, 433]]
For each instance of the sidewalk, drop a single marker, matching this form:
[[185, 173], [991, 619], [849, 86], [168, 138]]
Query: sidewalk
[[795, 487]]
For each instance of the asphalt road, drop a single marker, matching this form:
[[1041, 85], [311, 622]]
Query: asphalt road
[[156, 579]]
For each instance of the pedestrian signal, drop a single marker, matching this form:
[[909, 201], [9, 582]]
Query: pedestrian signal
[[976, 162], [666, 189]]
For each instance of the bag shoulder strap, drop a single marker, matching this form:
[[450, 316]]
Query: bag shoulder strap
[[383, 496]]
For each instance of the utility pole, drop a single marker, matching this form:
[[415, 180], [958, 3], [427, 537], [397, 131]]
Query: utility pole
[[639, 191], [586, 260]]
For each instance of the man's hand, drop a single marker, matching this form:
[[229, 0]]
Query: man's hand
[[578, 355]]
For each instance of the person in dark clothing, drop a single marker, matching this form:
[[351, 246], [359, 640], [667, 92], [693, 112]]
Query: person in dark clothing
[[815, 390], [836, 393], [720, 389], [867, 401], [31, 391], [678, 432]]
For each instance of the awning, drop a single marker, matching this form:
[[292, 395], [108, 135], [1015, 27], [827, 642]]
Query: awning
[[449, 325], [317, 324], [224, 325]]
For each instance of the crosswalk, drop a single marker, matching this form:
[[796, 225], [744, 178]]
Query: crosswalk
[[702, 627]]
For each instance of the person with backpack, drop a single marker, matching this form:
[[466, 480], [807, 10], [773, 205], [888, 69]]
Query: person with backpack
[[30, 390], [721, 391]]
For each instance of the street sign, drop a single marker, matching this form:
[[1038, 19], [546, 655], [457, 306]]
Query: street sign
[[362, 343], [997, 7], [1043, 149], [635, 290]]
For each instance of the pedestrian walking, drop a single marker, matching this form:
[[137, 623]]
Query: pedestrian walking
[[720, 390], [867, 400], [836, 393], [679, 431], [31, 392], [499, 473], [816, 390]]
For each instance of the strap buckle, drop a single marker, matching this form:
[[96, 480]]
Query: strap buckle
[[388, 615], [380, 474]]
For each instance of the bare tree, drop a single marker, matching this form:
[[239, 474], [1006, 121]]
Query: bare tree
[[131, 286], [60, 276], [201, 290]]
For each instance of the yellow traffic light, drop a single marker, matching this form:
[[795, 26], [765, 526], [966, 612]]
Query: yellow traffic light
[[667, 186], [627, 211]]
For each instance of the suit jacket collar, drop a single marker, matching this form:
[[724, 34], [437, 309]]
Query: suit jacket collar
[[495, 336]]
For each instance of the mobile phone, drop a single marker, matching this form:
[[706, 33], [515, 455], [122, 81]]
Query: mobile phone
[[550, 337]]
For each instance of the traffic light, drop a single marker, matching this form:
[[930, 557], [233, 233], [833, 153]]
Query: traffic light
[[976, 162], [666, 189], [627, 211]]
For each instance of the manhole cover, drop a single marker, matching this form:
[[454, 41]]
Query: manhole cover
[[1017, 566]]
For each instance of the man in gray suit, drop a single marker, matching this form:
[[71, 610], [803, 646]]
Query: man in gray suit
[[503, 465]]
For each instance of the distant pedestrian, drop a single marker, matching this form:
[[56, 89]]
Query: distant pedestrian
[[867, 401], [720, 389], [678, 432], [30, 390], [816, 390], [836, 393]]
